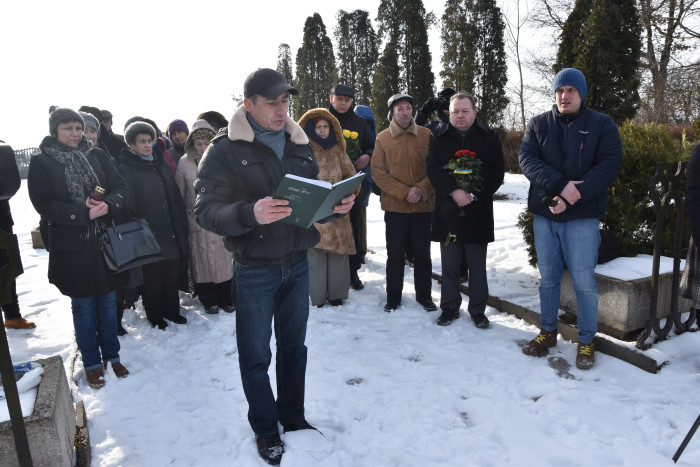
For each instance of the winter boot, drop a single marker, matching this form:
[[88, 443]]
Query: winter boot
[[539, 345]]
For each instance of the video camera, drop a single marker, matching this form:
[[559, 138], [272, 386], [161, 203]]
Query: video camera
[[442, 101]]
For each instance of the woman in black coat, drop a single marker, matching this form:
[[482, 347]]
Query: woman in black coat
[[60, 181], [153, 195]]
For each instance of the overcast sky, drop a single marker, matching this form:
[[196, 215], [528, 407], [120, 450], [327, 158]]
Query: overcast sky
[[157, 59]]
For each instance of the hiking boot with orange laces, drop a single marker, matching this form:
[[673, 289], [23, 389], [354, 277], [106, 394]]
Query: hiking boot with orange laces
[[585, 356], [539, 345]]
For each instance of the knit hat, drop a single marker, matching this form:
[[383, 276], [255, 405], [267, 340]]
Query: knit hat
[[268, 83], [90, 121], [106, 114], [343, 90], [60, 115], [570, 77], [176, 125], [137, 128], [97, 113]]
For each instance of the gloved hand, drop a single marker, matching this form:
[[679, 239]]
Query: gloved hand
[[429, 107]]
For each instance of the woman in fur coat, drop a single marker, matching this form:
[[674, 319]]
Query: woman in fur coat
[[209, 259], [329, 273], [60, 181]]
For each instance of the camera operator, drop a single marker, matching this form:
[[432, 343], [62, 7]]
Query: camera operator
[[8, 182], [439, 104]]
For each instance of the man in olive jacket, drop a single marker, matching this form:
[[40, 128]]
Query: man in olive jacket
[[238, 174], [463, 220], [407, 198]]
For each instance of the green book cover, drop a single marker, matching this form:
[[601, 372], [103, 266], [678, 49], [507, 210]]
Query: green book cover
[[312, 200]]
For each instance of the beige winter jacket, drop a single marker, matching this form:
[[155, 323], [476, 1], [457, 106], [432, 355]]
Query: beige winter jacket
[[209, 259], [398, 164], [334, 165]]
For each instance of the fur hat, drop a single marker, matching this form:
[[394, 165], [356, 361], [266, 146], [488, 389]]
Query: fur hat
[[176, 125], [214, 118], [137, 128], [570, 77], [90, 121], [60, 115]]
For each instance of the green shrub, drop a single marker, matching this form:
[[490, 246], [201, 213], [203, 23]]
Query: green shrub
[[629, 212], [696, 129]]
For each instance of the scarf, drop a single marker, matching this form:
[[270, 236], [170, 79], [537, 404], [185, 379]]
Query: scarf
[[274, 140], [79, 175], [326, 143]]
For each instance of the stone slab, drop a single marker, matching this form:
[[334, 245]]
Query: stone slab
[[623, 306], [50, 427]]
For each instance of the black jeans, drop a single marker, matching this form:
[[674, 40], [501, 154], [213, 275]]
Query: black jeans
[[358, 220], [400, 228]]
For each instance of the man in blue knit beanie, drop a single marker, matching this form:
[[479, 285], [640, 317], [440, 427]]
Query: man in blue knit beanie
[[571, 155]]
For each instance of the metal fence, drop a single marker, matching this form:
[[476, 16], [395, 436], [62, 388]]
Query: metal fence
[[667, 192], [22, 157]]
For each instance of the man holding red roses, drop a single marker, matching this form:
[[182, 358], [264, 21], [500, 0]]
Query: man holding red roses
[[465, 165]]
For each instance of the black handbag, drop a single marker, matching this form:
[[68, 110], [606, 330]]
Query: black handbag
[[129, 245]]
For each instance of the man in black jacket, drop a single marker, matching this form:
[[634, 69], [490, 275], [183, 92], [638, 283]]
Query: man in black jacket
[[341, 98], [237, 177], [463, 218]]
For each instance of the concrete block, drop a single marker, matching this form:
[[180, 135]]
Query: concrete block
[[623, 306], [37, 241], [50, 427]]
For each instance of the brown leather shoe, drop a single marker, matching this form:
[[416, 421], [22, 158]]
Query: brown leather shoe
[[585, 356], [539, 345], [120, 370], [96, 378], [19, 323]]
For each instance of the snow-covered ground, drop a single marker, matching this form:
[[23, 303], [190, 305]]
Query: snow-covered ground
[[386, 389]]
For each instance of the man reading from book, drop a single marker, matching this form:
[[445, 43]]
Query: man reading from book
[[237, 176]]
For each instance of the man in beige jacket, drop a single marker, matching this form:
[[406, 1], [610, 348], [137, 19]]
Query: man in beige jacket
[[407, 197]]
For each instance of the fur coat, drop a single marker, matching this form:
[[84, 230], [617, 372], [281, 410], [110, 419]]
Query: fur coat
[[334, 166]]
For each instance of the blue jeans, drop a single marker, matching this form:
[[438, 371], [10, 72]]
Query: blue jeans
[[574, 243], [264, 293], [95, 323]]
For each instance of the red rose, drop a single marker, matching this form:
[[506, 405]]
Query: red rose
[[462, 153]]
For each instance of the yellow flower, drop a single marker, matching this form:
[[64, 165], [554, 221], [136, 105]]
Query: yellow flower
[[346, 133], [353, 135]]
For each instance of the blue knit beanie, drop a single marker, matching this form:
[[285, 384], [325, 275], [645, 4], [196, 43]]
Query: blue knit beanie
[[570, 77]]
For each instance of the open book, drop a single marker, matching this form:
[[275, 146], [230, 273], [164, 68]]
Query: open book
[[312, 200]]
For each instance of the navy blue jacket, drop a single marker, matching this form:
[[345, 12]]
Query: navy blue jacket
[[557, 149]]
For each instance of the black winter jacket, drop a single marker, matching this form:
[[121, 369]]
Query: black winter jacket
[[477, 225], [153, 195], [235, 172], [557, 149], [76, 264], [353, 122]]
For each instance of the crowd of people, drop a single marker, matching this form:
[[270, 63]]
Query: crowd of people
[[206, 192]]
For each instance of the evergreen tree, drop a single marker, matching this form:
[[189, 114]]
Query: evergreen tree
[[406, 54], [606, 47], [474, 57], [316, 71], [357, 53], [387, 79], [284, 66]]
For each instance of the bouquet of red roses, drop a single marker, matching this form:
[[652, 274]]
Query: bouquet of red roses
[[465, 168]]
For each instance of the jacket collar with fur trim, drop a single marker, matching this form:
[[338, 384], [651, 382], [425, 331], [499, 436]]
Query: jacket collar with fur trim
[[240, 130], [397, 131], [328, 116]]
